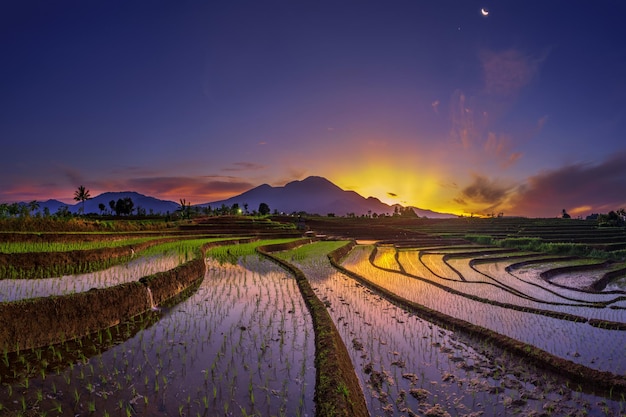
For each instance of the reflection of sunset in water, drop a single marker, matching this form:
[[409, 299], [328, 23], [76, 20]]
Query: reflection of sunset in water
[[556, 336], [406, 363]]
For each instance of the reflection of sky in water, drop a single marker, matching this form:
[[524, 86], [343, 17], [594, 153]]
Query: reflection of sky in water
[[617, 285], [241, 344], [578, 342], [395, 352], [247, 332], [19, 289]]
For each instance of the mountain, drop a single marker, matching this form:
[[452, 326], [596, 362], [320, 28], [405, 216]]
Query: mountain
[[149, 204], [432, 214], [314, 195]]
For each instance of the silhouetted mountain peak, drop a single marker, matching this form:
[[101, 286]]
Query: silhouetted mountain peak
[[313, 183], [314, 195]]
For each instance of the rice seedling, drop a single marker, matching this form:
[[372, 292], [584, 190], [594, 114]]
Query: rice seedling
[[489, 315], [29, 247], [13, 290], [341, 293], [232, 253], [157, 365], [245, 334]]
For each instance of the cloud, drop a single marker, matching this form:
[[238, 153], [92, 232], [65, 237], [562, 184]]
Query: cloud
[[466, 128], [390, 194], [244, 166], [73, 175], [581, 188], [447, 184], [435, 105], [194, 189], [499, 146], [474, 117], [484, 191], [460, 201], [541, 123], [507, 72]]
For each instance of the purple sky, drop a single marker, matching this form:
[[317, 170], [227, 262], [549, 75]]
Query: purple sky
[[427, 103]]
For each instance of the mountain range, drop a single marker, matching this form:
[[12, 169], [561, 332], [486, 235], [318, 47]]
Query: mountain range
[[314, 195]]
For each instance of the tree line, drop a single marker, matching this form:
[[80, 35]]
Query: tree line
[[124, 207]]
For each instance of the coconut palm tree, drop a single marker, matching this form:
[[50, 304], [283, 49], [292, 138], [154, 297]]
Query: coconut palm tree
[[33, 206], [82, 195]]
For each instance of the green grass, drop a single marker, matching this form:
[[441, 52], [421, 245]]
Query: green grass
[[231, 253], [188, 247], [29, 247], [312, 250], [480, 239], [535, 244]]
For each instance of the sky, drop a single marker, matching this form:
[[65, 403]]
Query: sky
[[466, 107]]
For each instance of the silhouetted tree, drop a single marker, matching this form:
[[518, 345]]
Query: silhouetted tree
[[566, 215], [264, 209], [82, 195], [408, 212], [102, 207], [184, 209], [14, 209], [63, 212], [611, 219], [33, 206], [124, 206]]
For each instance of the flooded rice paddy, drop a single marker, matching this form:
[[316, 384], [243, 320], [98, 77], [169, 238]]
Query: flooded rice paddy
[[578, 341], [242, 344], [408, 366], [20, 289]]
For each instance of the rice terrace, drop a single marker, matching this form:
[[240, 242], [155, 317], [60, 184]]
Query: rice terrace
[[241, 315]]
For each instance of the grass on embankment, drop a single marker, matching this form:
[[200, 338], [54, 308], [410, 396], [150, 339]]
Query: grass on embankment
[[29, 247], [231, 253], [535, 244], [337, 388]]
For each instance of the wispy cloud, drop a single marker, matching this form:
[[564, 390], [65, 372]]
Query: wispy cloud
[[467, 128], [73, 175], [435, 104], [474, 117], [507, 72], [244, 166], [194, 189]]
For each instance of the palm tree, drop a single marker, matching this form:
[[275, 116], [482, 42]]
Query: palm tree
[[82, 194], [33, 206], [185, 209]]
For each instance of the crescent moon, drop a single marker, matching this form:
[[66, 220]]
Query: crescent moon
[[484, 12]]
